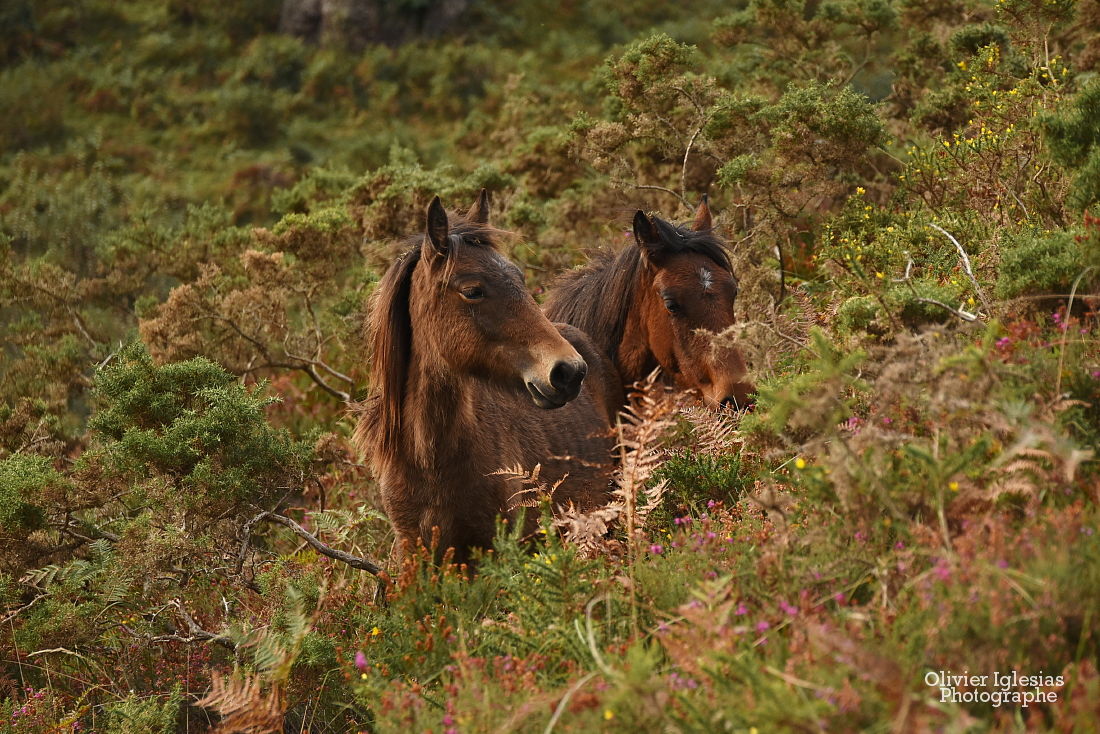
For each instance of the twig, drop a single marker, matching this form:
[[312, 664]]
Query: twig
[[687, 154], [198, 634], [565, 700], [684, 201], [23, 608], [966, 266], [1065, 331], [964, 315], [782, 276], [908, 269], [354, 561], [97, 533], [246, 542]]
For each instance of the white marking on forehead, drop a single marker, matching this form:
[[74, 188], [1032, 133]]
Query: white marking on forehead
[[706, 278]]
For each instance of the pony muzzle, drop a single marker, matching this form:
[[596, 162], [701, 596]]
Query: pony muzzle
[[738, 396], [559, 386]]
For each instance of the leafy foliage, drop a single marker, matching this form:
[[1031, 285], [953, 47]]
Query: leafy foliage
[[194, 210]]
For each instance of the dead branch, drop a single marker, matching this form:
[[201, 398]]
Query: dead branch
[[964, 315], [354, 561], [197, 633], [966, 266], [684, 201]]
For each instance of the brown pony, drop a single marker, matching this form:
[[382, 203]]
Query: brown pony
[[659, 303], [466, 372]]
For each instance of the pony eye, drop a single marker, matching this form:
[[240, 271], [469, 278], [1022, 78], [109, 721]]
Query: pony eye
[[672, 306], [473, 293]]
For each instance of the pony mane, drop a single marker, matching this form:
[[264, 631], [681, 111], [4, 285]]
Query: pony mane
[[388, 333], [598, 297]]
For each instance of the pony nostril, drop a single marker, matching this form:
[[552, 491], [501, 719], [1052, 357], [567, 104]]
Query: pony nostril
[[567, 376]]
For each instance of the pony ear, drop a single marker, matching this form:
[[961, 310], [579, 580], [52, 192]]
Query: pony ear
[[479, 212], [702, 217], [438, 228], [646, 235]]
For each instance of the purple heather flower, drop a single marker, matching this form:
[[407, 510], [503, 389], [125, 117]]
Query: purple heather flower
[[361, 661]]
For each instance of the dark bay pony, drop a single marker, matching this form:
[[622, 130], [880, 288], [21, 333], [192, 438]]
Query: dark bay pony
[[659, 302], [469, 378]]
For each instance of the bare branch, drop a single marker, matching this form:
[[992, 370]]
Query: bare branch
[[964, 315], [23, 608], [354, 561], [687, 154], [966, 267], [684, 201], [197, 633], [246, 540]]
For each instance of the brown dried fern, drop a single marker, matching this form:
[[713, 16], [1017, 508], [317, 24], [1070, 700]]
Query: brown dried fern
[[715, 431], [532, 490], [641, 430], [243, 706]]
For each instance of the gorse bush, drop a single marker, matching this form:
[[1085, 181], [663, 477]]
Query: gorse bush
[[195, 210]]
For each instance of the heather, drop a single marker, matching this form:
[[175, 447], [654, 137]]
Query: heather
[[195, 209]]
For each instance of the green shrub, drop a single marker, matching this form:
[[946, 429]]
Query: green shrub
[[194, 425], [1074, 138], [25, 485], [1047, 263], [143, 715], [857, 314]]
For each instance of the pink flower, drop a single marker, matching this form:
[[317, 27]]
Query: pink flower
[[788, 609], [361, 661], [656, 549], [741, 608], [762, 626], [680, 682]]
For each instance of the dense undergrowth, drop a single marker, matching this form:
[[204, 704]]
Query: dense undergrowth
[[194, 209]]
